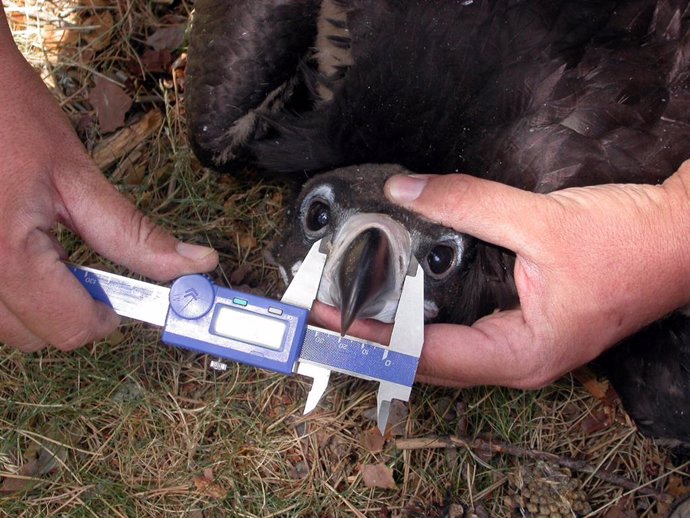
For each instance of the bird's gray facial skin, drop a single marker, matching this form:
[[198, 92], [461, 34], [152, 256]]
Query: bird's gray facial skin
[[369, 243]]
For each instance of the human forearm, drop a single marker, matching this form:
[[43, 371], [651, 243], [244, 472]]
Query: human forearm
[[48, 178]]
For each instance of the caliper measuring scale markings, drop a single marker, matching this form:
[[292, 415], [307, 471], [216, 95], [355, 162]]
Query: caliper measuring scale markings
[[196, 314]]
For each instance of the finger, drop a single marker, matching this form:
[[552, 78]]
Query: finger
[[114, 228], [328, 317], [15, 334], [494, 351], [490, 211], [48, 300]]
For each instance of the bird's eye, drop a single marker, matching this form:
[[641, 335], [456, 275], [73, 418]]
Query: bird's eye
[[318, 216], [440, 260]]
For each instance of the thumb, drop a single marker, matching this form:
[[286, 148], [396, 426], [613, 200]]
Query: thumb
[[115, 229], [491, 211]]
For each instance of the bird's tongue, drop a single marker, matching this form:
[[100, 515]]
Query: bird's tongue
[[364, 276]]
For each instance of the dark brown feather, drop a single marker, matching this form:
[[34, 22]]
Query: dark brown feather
[[538, 94]]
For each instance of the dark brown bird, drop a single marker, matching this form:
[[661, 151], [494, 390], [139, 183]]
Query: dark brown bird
[[538, 94]]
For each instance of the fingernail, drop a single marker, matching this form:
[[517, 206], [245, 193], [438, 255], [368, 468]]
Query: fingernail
[[194, 252], [405, 189]]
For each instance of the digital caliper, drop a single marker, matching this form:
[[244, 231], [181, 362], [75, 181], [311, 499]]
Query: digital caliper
[[197, 314]]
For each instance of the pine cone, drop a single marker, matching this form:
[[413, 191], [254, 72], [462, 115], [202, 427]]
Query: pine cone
[[546, 491]]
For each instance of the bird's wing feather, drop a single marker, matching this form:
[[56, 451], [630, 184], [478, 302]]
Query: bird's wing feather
[[242, 56], [651, 373], [620, 115]]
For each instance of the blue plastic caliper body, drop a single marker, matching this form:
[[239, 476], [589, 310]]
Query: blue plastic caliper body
[[199, 315], [230, 324]]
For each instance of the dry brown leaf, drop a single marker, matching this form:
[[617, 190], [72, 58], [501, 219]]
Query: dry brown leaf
[[111, 104], [594, 386], [45, 458], [168, 38], [372, 440], [15, 484], [378, 475], [207, 487], [101, 35], [397, 419], [595, 422], [55, 41], [247, 241], [240, 274], [136, 173], [156, 60], [676, 486]]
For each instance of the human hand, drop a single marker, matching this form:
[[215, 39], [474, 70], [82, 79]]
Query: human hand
[[46, 177], [593, 265]]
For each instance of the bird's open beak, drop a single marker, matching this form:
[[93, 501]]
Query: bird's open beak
[[366, 268], [365, 275]]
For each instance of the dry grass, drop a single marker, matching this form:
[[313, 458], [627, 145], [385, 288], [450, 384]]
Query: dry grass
[[129, 427]]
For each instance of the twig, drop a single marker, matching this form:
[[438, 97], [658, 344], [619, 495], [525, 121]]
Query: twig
[[517, 451], [112, 148]]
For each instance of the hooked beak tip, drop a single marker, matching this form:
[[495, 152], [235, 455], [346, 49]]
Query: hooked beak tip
[[346, 320], [365, 273]]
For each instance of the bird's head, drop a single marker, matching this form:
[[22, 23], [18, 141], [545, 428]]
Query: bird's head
[[370, 243]]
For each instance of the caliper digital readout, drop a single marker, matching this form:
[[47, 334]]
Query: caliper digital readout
[[256, 329], [230, 324], [199, 315]]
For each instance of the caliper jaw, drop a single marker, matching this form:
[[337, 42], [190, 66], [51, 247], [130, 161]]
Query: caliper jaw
[[302, 292], [407, 337]]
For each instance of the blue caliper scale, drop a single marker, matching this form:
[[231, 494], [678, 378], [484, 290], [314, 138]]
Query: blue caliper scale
[[199, 315]]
